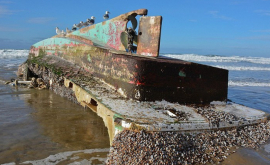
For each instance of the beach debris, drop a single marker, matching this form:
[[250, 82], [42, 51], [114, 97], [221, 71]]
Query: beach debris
[[37, 83], [15, 82], [33, 83], [41, 84], [9, 82], [180, 115]]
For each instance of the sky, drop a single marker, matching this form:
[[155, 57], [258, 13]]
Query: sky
[[205, 27]]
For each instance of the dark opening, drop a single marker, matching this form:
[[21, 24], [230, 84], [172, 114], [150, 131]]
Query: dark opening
[[70, 85], [93, 102]]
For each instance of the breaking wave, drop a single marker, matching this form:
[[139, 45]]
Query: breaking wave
[[250, 84], [243, 68], [12, 53], [217, 58]]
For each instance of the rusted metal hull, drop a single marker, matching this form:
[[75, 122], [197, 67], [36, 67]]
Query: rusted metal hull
[[138, 76], [149, 79]]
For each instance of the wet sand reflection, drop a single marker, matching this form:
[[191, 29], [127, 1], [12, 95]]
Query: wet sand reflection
[[54, 125], [67, 123]]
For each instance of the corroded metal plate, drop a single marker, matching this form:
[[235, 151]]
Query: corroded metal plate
[[149, 36]]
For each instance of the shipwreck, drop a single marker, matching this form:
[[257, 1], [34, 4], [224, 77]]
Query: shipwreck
[[103, 49], [117, 72]]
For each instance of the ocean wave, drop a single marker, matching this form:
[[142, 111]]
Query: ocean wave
[[251, 84], [243, 68], [71, 156], [216, 58], [11, 53]]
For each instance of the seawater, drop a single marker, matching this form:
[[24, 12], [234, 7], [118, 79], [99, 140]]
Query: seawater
[[40, 127]]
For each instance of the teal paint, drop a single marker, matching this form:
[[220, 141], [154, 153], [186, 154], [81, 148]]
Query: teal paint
[[119, 128], [182, 74], [99, 33], [53, 42], [90, 34], [117, 116], [106, 33]]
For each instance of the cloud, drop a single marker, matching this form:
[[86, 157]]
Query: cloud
[[216, 14], [193, 20], [262, 31], [4, 39], [5, 11], [240, 47], [6, 2], [263, 12], [262, 38], [40, 20], [10, 29]]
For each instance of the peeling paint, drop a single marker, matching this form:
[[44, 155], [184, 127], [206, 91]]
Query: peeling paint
[[182, 74]]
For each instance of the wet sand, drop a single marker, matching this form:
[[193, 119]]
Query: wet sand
[[36, 124], [247, 156]]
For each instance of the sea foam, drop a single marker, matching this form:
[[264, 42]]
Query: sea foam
[[216, 58], [243, 68], [69, 155], [251, 84], [11, 53]]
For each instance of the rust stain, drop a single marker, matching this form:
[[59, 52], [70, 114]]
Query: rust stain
[[149, 36]]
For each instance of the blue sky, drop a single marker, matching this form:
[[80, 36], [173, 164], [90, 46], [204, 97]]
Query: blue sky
[[220, 27]]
